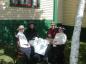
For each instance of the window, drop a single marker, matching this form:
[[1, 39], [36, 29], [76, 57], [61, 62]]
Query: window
[[25, 3]]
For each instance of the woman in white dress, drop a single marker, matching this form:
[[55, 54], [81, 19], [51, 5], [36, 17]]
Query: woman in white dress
[[23, 44]]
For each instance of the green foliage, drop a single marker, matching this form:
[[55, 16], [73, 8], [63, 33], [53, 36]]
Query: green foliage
[[9, 29]]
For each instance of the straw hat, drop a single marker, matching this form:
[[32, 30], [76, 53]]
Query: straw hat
[[52, 23], [20, 27]]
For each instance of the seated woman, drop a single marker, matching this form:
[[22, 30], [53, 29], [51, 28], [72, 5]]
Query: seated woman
[[31, 32], [40, 46], [23, 44]]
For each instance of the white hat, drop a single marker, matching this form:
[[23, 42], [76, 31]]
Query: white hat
[[20, 27], [62, 28]]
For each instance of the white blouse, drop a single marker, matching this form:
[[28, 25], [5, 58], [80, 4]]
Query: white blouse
[[22, 40]]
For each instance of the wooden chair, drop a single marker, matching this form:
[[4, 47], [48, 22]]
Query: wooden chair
[[19, 55]]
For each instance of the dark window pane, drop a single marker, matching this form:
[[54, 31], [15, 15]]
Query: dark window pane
[[25, 3]]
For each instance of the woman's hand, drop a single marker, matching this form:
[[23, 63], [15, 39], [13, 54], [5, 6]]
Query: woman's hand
[[49, 35]]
